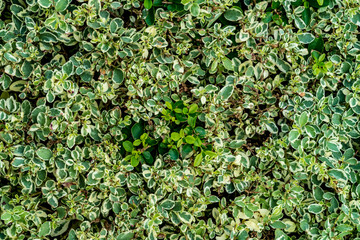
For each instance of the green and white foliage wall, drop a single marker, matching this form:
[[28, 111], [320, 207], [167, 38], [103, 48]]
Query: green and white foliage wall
[[180, 119]]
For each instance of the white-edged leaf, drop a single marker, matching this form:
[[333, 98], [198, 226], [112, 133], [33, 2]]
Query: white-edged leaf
[[306, 38], [44, 3], [44, 153], [45, 229], [226, 92]]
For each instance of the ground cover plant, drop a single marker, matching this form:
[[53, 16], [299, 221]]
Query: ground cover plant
[[179, 119]]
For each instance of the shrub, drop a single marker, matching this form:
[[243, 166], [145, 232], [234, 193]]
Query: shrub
[[179, 119]]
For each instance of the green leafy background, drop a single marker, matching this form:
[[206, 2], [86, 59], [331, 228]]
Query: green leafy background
[[179, 119]]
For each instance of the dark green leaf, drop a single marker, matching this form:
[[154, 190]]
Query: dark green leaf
[[174, 154], [128, 146], [148, 4], [44, 153], [198, 160], [137, 130]]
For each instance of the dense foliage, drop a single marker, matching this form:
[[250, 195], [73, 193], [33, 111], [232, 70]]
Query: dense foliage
[[179, 119]]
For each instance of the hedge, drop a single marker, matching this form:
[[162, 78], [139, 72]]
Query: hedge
[[180, 119]]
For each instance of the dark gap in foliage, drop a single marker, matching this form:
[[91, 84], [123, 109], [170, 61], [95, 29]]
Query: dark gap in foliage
[[6, 13], [232, 54], [208, 212], [126, 18], [74, 224], [96, 76], [45, 206], [4, 181], [356, 142], [258, 139], [69, 51], [46, 58], [263, 106], [242, 5], [267, 234], [164, 226]]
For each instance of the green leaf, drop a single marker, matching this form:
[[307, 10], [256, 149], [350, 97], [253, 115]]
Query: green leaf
[[195, 9], [160, 42], [344, 228], [135, 160], [332, 146], [338, 174], [278, 224], [233, 14], [310, 131], [86, 76], [190, 139], [128, 146], [150, 17], [118, 76], [227, 64], [283, 65], [148, 4], [306, 16], [26, 69], [70, 141], [268, 17], [226, 92], [11, 57], [355, 19], [271, 127], [168, 105], [18, 86], [61, 5], [44, 3], [193, 108], [198, 160], [95, 4], [317, 44], [45, 229], [214, 199], [6, 216], [315, 208], [125, 236], [175, 136], [174, 154], [303, 119], [236, 143], [293, 135], [192, 121], [44, 153], [320, 2], [186, 150], [201, 131], [68, 68], [304, 225], [48, 37], [18, 162], [306, 38], [318, 193], [185, 217], [210, 154], [137, 130], [148, 157], [243, 235], [61, 227], [5, 80], [52, 200], [299, 23], [315, 55], [168, 204]]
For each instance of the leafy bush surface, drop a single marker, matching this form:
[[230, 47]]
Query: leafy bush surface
[[179, 119]]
